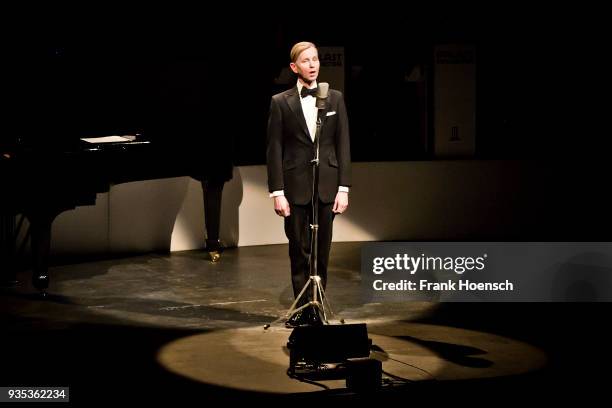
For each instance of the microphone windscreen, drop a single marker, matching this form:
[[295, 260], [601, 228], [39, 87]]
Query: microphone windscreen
[[322, 90]]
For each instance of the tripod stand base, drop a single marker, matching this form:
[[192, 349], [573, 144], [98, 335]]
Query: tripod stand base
[[306, 315], [320, 305]]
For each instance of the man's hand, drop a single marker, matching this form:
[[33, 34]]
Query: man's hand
[[281, 206], [341, 203]]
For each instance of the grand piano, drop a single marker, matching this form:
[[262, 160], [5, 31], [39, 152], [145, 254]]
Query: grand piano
[[61, 92]]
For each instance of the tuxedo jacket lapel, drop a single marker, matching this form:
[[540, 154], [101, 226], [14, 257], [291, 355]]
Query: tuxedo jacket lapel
[[324, 111], [323, 115], [293, 100]]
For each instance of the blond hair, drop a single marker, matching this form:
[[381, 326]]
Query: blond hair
[[298, 48]]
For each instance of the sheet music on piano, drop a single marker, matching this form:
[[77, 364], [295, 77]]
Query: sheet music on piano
[[109, 139]]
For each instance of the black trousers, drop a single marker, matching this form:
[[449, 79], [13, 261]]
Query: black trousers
[[298, 231]]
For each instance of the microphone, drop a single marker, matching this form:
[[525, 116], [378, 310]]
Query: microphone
[[322, 90]]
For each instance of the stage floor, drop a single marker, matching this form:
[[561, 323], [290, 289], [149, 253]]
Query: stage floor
[[175, 327]]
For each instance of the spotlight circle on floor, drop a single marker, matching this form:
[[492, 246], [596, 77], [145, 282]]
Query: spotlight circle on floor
[[255, 359]]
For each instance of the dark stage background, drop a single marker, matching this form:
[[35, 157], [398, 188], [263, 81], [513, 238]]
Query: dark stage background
[[202, 81], [207, 79]]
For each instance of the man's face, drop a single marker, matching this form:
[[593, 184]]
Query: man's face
[[307, 65]]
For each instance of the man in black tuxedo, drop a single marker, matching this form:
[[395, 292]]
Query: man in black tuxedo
[[290, 149]]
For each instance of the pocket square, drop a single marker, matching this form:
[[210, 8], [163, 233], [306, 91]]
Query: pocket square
[[331, 113]]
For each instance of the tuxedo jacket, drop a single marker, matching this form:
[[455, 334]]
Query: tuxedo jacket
[[290, 148]]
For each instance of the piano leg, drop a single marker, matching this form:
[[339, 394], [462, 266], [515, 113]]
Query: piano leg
[[8, 272], [40, 230], [213, 191]]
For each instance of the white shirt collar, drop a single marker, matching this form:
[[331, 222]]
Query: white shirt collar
[[300, 86]]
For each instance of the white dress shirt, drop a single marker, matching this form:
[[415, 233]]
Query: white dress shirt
[[309, 107]]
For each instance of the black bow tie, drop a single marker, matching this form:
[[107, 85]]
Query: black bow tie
[[305, 92]]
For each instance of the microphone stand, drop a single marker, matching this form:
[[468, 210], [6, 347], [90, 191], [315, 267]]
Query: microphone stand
[[319, 302]]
